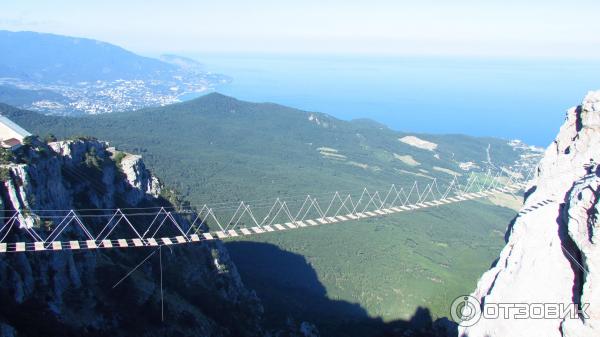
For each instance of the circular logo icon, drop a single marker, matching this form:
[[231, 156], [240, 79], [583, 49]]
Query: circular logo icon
[[465, 310]]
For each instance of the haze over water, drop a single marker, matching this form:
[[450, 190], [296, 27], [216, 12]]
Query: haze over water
[[522, 99]]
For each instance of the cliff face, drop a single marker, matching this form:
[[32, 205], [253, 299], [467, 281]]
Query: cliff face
[[552, 253], [70, 293]]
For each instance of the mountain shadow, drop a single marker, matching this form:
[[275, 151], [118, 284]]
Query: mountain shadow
[[290, 289]]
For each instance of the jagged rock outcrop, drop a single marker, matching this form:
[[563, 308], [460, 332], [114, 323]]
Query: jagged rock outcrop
[[138, 176], [70, 293], [552, 253], [581, 214]]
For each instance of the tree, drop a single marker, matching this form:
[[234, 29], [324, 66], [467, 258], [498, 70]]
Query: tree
[[29, 140], [6, 156], [50, 138]]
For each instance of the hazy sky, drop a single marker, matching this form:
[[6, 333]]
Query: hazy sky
[[526, 28]]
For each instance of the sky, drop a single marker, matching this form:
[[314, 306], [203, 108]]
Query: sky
[[490, 28]]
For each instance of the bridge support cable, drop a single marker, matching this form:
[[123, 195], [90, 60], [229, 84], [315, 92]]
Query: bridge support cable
[[64, 224], [162, 297], [371, 201], [345, 207], [121, 217], [7, 227], [203, 216], [426, 192]]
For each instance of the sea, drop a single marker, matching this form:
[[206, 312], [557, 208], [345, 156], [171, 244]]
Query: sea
[[522, 99]]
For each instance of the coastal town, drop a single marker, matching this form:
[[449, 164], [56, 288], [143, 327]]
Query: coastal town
[[100, 96]]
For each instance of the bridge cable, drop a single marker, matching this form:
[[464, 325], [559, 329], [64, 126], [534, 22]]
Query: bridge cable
[[135, 268]]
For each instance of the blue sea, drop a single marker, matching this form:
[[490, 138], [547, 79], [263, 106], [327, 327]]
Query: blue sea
[[512, 99]]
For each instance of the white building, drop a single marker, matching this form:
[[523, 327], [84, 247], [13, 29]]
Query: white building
[[11, 135]]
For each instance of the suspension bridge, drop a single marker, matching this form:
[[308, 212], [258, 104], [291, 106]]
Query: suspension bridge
[[87, 229]]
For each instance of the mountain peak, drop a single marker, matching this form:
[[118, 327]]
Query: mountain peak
[[215, 100], [56, 58], [218, 95]]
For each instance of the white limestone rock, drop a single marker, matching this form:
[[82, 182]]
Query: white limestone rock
[[547, 243], [144, 184], [581, 215]]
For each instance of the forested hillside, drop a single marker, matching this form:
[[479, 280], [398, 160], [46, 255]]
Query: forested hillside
[[220, 149], [54, 58]]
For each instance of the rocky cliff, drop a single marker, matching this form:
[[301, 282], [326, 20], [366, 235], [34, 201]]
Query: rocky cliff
[[70, 293], [552, 255]]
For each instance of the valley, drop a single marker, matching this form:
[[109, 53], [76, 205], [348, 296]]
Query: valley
[[219, 150]]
